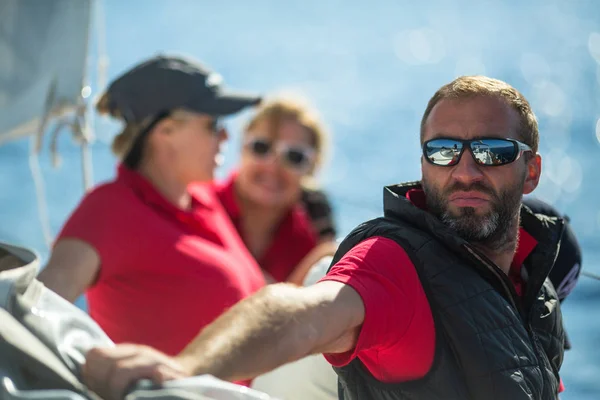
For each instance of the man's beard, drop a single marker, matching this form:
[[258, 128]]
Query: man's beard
[[492, 229]]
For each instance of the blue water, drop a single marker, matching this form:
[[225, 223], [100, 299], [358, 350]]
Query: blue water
[[370, 69]]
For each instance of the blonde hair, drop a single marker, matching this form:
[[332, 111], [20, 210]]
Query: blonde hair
[[472, 86], [295, 109], [123, 142]]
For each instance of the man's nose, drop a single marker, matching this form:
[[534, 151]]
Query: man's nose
[[467, 170]]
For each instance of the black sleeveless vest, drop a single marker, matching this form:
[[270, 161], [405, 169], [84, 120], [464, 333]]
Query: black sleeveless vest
[[490, 344]]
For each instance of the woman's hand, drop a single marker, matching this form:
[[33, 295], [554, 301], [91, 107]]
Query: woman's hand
[[322, 250]]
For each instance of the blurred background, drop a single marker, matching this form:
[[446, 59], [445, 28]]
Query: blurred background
[[368, 68]]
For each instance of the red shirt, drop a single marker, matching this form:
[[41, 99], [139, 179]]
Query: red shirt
[[294, 239], [165, 273], [397, 339]]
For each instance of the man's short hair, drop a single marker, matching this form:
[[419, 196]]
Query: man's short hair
[[473, 86]]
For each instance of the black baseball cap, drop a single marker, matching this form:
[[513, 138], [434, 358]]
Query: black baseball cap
[[167, 82]]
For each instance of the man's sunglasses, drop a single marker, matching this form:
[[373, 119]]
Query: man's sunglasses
[[447, 152], [296, 157]]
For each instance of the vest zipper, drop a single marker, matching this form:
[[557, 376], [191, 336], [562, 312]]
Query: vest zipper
[[508, 287], [512, 297]]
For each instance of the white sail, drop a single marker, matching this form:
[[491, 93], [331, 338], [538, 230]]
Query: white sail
[[43, 53]]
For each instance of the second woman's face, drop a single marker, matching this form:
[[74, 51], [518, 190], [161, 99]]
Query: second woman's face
[[274, 160]]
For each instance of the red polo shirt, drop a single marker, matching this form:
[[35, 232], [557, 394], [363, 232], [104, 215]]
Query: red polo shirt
[[293, 240], [397, 339], [165, 273]]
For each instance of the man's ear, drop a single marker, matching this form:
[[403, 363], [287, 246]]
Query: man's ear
[[534, 171]]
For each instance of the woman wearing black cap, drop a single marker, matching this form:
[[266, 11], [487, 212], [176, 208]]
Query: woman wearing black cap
[[157, 257]]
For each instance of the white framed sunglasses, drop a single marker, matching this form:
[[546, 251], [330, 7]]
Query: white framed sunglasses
[[298, 158]]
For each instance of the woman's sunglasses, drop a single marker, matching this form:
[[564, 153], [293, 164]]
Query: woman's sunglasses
[[296, 157], [447, 152], [216, 126]]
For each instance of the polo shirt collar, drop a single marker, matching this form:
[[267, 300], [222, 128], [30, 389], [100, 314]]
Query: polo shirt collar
[[150, 195]]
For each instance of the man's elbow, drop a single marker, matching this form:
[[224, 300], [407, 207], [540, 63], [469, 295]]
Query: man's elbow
[[313, 319]]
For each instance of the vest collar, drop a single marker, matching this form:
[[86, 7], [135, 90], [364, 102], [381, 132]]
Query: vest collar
[[546, 230]]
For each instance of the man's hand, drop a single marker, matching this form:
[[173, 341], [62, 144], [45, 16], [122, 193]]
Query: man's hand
[[279, 324], [110, 371]]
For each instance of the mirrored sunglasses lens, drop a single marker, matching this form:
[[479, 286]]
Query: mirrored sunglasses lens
[[443, 151], [493, 151]]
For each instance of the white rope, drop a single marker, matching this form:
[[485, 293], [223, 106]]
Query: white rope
[[590, 275], [101, 42], [38, 180], [85, 131]]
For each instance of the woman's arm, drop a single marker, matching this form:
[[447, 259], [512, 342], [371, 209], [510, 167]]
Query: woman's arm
[[321, 250], [72, 268]]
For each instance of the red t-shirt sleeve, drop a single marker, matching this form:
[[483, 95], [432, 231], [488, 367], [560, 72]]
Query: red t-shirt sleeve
[[99, 220], [397, 339]]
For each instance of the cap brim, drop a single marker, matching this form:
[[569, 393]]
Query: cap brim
[[227, 103]]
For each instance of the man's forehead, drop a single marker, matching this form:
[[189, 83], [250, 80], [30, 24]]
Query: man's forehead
[[474, 117]]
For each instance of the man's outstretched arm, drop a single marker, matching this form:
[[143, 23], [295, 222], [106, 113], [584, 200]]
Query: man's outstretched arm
[[279, 324]]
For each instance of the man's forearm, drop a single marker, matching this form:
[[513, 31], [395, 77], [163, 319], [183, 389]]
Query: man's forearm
[[271, 328]]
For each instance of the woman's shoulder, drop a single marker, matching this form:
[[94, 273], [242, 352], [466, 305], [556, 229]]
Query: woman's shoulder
[[112, 195], [315, 201]]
